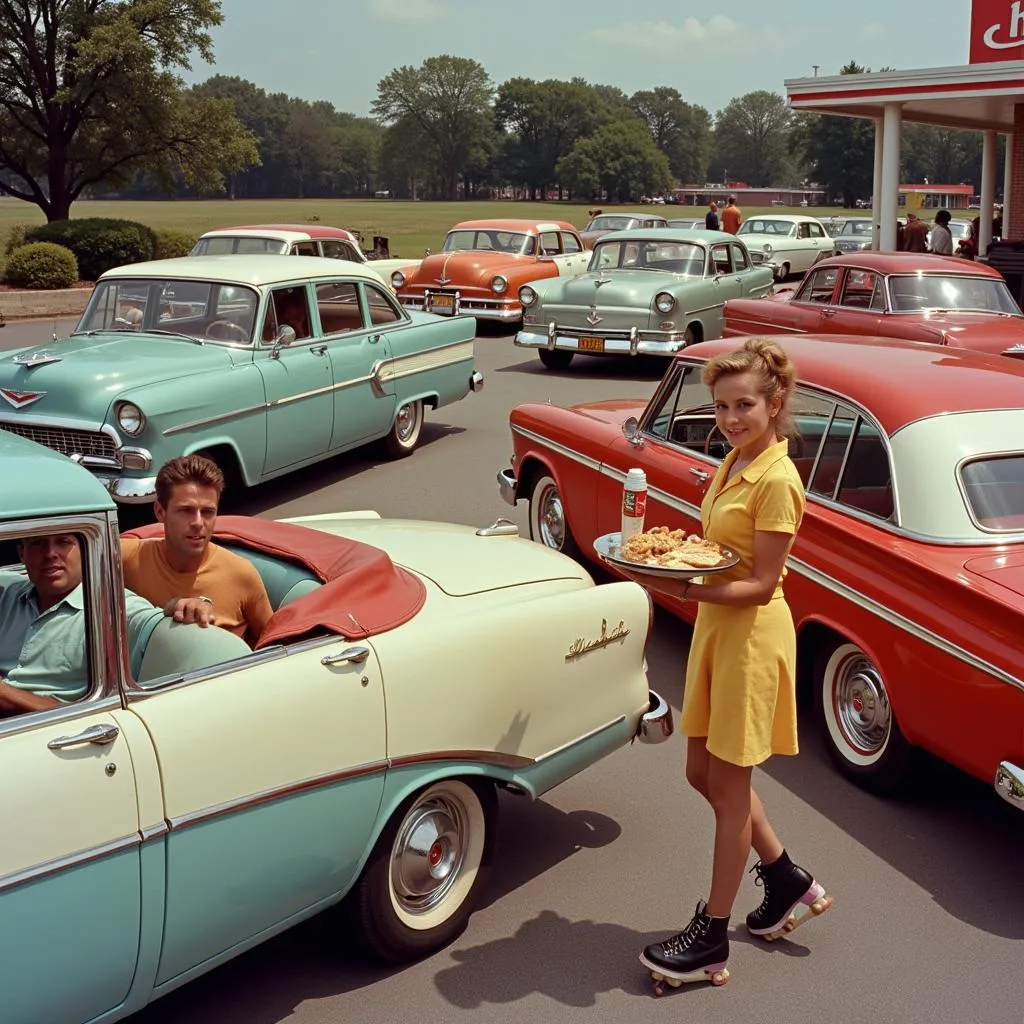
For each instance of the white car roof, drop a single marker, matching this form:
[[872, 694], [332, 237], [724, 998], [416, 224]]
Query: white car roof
[[277, 233], [256, 270]]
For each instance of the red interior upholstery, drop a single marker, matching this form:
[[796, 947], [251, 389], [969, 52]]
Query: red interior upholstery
[[363, 592]]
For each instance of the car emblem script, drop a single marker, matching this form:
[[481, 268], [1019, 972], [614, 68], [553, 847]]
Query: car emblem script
[[592, 318], [19, 399]]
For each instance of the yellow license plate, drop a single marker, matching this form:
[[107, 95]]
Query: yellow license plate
[[445, 303], [588, 344]]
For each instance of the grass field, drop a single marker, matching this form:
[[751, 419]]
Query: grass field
[[410, 226]]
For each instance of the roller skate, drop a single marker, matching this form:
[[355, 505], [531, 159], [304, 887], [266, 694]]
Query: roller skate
[[791, 897], [698, 953]]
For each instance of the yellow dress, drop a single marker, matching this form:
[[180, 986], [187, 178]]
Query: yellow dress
[[741, 672]]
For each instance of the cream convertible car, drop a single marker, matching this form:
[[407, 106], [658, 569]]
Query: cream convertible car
[[202, 797]]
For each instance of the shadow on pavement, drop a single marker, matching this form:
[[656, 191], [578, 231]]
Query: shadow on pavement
[[640, 368]]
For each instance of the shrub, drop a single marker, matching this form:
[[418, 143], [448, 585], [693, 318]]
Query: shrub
[[41, 265], [99, 243], [173, 243], [16, 237]]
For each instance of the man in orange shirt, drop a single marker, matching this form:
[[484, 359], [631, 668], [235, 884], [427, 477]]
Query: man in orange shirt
[[191, 578], [732, 216]]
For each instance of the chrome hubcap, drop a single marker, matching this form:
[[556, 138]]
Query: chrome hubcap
[[862, 705], [552, 519], [405, 423], [428, 854]]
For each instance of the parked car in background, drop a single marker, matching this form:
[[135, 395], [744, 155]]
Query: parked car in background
[[646, 292], [266, 363], [855, 235], [621, 220], [685, 222], [483, 264], [905, 580], [295, 240], [201, 797], [788, 243], [915, 296]]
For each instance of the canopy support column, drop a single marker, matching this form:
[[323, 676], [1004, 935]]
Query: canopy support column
[[876, 187], [988, 190], [892, 122]]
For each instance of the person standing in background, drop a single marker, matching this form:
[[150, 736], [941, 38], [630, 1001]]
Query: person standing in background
[[732, 216], [942, 237], [711, 220]]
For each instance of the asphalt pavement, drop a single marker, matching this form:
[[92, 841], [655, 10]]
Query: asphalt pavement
[[928, 921]]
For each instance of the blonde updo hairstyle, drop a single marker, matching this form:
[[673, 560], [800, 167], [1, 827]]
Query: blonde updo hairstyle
[[774, 372]]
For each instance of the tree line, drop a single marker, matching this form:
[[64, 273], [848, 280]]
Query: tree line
[[91, 103]]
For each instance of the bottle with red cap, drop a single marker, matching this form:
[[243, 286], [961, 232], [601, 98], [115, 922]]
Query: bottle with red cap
[[634, 504]]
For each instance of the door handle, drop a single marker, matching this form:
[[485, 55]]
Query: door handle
[[828, 313], [351, 655], [373, 339], [318, 350], [100, 734], [700, 474]]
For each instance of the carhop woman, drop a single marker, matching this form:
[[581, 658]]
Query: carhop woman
[[739, 705]]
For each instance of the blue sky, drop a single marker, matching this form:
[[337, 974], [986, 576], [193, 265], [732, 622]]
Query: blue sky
[[338, 50]]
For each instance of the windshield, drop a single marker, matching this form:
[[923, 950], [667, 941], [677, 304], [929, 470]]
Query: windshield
[[204, 310], [648, 254], [994, 487], [611, 223], [858, 228], [914, 293], [226, 245], [766, 226], [489, 240]]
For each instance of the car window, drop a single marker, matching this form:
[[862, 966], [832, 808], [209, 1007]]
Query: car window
[[304, 249], [338, 305], [287, 307], [862, 289], [819, 286], [739, 257], [570, 243], [549, 244], [815, 231], [994, 488], [803, 231], [811, 415], [382, 309], [720, 258], [684, 414], [339, 249], [221, 245]]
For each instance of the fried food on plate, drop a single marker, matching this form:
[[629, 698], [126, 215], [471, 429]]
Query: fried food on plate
[[672, 549]]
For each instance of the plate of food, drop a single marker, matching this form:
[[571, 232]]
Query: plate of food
[[670, 554]]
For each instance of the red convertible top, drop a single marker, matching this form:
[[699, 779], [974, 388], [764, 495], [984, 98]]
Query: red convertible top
[[363, 592]]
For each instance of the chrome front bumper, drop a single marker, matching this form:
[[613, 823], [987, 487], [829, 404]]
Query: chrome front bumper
[[619, 343], [507, 484], [502, 310], [1009, 784], [656, 725]]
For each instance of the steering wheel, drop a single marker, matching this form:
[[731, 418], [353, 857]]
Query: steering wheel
[[711, 434], [227, 330]]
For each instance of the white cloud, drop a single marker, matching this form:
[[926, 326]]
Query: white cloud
[[662, 37], [405, 10]]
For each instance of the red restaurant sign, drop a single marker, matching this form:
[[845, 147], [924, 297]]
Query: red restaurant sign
[[997, 30]]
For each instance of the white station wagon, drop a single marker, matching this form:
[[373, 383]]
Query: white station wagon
[[787, 243]]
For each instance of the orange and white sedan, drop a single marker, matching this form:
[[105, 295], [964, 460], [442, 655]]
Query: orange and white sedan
[[483, 264]]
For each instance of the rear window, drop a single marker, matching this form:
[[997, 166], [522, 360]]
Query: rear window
[[994, 488]]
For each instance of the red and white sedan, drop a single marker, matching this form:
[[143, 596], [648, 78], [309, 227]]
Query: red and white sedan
[[907, 578], [939, 299]]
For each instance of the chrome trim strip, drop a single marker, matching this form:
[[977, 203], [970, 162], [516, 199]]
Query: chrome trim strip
[[152, 832], [212, 420], [490, 757], [152, 687], [581, 739], [276, 793], [583, 460], [66, 863]]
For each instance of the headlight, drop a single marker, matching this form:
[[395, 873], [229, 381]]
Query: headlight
[[499, 284], [130, 419], [527, 296], [664, 302], [397, 279], [767, 248]]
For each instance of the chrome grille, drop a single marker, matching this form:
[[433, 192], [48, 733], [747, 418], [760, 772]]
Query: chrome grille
[[66, 441]]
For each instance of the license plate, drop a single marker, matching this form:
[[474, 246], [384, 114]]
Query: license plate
[[443, 304], [588, 344]]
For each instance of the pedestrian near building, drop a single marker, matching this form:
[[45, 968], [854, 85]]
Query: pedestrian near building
[[915, 234], [732, 216], [711, 219], [942, 237], [739, 705]]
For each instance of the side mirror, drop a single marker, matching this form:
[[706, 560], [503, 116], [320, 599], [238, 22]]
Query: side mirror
[[285, 337], [631, 432]]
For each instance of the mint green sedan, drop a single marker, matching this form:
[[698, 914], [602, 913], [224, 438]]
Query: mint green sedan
[[646, 292], [264, 363]]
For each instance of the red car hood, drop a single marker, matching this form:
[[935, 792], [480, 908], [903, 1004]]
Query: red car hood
[[614, 412], [467, 268], [1005, 570], [984, 332]]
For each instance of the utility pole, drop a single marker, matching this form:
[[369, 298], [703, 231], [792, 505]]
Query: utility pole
[[815, 66]]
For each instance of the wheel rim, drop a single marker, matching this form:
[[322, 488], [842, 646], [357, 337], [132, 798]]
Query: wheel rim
[[429, 853], [861, 705], [551, 518], [405, 423]]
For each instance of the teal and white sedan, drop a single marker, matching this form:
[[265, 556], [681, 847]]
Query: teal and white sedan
[[202, 797], [646, 292], [264, 363]]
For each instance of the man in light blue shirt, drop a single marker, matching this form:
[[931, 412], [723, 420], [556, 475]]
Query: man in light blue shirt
[[42, 626]]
